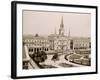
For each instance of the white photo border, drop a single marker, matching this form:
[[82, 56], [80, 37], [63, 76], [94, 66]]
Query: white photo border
[[18, 72]]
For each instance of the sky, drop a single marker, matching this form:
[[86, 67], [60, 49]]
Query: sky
[[45, 23]]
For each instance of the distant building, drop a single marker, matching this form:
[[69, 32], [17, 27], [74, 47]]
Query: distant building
[[80, 43], [36, 43]]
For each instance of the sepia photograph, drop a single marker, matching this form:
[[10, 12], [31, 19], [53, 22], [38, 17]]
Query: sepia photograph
[[53, 40], [56, 39]]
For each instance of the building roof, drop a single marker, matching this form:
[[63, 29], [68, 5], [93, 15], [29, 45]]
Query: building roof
[[34, 37], [81, 38]]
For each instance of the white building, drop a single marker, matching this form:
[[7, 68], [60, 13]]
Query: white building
[[81, 43], [36, 43]]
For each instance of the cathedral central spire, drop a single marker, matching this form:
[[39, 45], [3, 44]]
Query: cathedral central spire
[[62, 25], [61, 29]]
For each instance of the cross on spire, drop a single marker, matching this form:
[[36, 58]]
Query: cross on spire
[[62, 25]]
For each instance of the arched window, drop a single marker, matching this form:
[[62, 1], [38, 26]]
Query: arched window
[[71, 44], [45, 49], [89, 44], [34, 49], [30, 50]]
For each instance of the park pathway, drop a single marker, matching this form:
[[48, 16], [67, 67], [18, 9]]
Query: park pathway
[[61, 60]]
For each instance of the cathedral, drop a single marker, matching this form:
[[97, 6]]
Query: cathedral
[[59, 42]]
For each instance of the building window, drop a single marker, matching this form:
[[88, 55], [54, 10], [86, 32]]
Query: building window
[[34, 49], [47, 49], [89, 45], [30, 50], [71, 44], [37, 49]]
